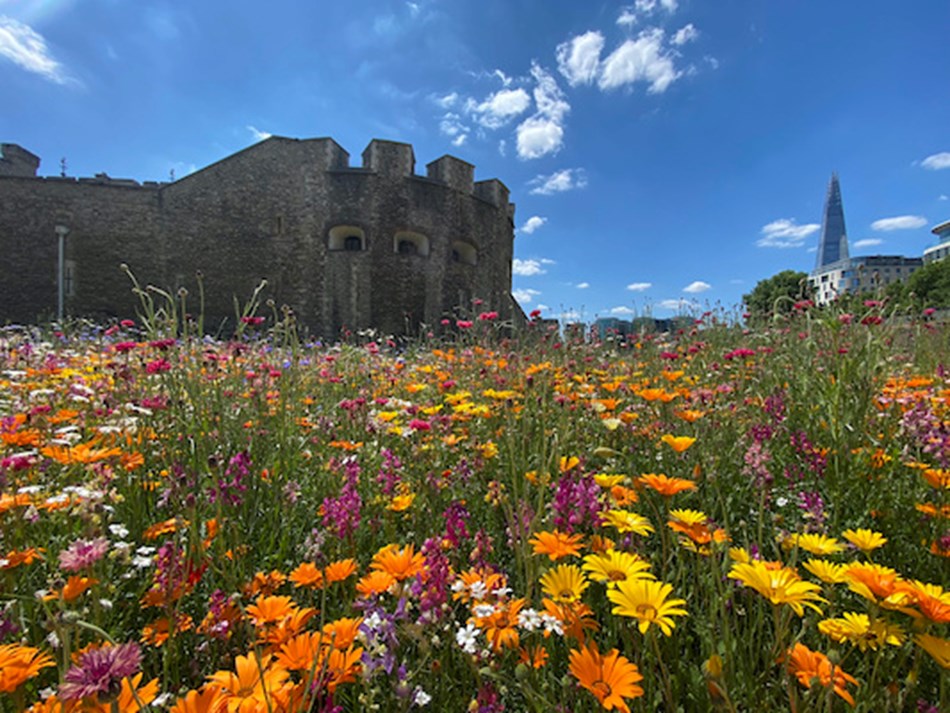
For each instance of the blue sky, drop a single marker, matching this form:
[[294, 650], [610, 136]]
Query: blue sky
[[664, 155]]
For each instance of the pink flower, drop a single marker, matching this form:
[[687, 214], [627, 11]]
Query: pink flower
[[157, 366], [83, 553], [417, 424], [464, 323], [487, 316], [124, 347], [100, 671]]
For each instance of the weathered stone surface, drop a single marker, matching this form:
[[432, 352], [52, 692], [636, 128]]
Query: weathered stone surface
[[421, 248]]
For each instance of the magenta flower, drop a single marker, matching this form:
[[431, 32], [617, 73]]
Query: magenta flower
[[83, 553], [100, 671]]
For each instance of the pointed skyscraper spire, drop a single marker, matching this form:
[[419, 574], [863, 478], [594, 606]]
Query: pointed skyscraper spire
[[834, 239]]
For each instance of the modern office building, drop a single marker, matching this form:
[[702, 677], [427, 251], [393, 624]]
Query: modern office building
[[836, 273], [941, 248]]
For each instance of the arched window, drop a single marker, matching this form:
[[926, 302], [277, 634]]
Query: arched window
[[348, 238], [409, 243], [464, 253]]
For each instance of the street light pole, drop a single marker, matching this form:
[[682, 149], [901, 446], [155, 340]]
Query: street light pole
[[61, 232]]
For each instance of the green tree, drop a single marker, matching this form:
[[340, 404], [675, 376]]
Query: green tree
[[930, 285], [777, 294]]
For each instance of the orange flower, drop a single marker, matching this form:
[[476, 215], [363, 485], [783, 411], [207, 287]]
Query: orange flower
[[207, 701], [376, 582], [556, 544], [270, 610], [15, 559], [665, 485], [678, 443], [307, 574], [75, 586], [871, 581], [265, 584], [811, 667], [610, 678], [254, 685], [501, 625], [298, 653], [84, 453], [19, 663], [162, 528], [340, 667], [158, 631], [399, 563], [342, 632], [535, 657], [340, 570]]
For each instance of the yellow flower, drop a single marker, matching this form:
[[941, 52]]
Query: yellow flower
[[614, 567], [938, 648], [678, 443], [564, 584], [626, 521], [861, 631], [780, 585], [608, 481], [828, 572], [864, 539], [815, 543], [646, 601]]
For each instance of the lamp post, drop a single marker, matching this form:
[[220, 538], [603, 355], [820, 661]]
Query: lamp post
[[61, 232]]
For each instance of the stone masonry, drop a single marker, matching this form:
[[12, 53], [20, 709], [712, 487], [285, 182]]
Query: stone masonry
[[345, 248]]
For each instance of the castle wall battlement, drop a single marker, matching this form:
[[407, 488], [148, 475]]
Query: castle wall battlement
[[345, 247]]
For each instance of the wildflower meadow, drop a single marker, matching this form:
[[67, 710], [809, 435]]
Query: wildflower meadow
[[724, 518]]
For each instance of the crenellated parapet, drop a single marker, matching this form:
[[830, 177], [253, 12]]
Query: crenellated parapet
[[346, 247]]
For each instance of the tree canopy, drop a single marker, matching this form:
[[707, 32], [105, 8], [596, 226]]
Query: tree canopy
[[767, 296]]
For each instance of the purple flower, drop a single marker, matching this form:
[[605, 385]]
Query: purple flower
[[83, 553], [342, 514], [101, 671]]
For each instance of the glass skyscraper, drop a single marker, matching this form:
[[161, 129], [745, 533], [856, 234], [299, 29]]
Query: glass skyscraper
[[834, 240]]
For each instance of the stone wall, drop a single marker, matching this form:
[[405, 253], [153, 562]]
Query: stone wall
[[267, 213]]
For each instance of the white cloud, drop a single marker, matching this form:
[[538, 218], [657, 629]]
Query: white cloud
[[524, 296], [641, 60], [23, 46], [447, 101], [548, 261], [697, 287], [639, 286], [503, 147], [679, 304], [543, 133], [526, 268], [501, 107], [685, 34], [451, 125], [900, 222], [582, 285], [627, 18], [578, 59], [937, 161], [532, 224], [785, 233], [626, 311], [866, 242], [570, 316], [567, 179], [257, 133], [542, 307], [538, 137], [943, 197], [505, 79]]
